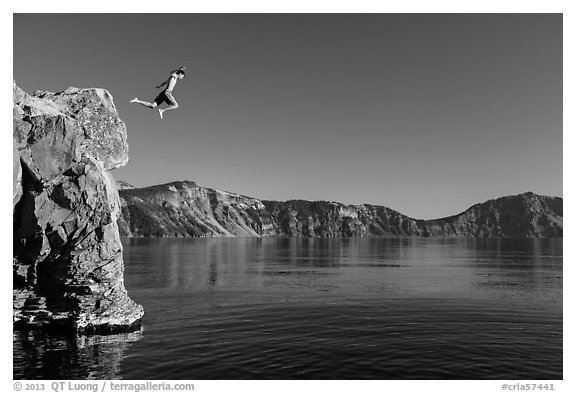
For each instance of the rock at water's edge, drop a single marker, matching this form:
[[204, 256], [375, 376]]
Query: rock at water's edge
[[67, 264]]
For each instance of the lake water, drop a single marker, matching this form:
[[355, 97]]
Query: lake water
[[290, 308]]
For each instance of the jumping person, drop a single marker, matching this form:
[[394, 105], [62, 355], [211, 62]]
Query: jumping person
[[166, 94]]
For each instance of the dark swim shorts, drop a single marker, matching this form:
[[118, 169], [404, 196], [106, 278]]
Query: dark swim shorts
[[166, 97]]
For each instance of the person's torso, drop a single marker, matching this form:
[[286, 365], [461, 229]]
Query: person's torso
[[172, 83]]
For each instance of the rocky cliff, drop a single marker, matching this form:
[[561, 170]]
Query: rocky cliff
[[186, 209], [67, 264]]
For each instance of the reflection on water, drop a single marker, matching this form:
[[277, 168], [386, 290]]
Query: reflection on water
[[286, 308], [46, 356], [445, 267]]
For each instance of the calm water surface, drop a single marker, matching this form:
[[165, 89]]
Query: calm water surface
[[288, 308]]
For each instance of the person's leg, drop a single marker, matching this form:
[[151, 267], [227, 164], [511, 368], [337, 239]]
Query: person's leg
[[171, 102], [144, 103], [168, 108]]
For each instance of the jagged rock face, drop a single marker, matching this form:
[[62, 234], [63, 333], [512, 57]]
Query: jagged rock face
[[185, 209], [331, 219], [68, 266]]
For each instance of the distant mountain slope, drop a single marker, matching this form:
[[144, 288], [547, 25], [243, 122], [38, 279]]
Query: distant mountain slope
[[523, 215], [183, 208], [122, 185], [332, 219]]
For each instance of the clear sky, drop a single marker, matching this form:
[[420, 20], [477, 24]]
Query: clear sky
[[427, 114]]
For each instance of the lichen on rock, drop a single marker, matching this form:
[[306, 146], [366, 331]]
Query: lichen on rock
[[67, 264]]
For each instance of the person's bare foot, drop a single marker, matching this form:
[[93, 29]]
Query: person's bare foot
[[161, 112]]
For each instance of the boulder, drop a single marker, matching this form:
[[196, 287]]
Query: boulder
[[67, 255]]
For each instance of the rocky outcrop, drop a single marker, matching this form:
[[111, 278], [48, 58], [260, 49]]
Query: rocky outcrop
[[68, 266], [186, 209]]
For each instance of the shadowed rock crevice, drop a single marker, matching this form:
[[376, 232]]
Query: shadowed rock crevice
[[68, 266]]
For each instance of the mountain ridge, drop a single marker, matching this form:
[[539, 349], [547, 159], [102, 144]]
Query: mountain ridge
[[156, 211]]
